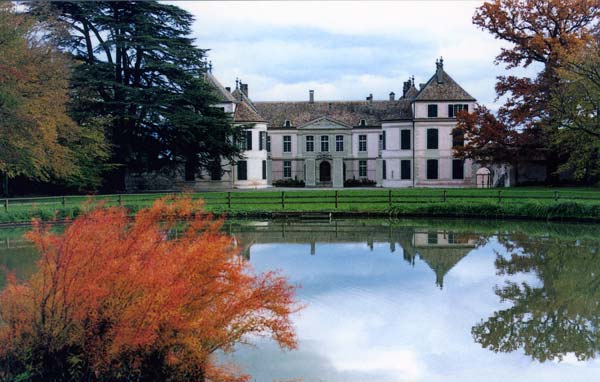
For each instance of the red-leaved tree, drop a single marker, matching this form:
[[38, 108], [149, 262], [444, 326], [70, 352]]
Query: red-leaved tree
[[148, 299], [540, 32]]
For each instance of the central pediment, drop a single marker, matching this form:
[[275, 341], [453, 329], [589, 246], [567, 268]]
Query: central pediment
[[324, 123]]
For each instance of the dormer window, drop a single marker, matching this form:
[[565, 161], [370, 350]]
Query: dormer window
[[363, 122], [287, 123]]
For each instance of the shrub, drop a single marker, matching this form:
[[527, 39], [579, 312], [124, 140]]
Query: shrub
[[148, 300], [288, 183], [359, 183]]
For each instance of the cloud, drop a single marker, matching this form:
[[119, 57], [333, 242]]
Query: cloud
[[344, 50]]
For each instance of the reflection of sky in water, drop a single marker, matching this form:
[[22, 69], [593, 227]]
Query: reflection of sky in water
[[372, 316]]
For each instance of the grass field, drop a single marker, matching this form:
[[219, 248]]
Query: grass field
[[534, 202]]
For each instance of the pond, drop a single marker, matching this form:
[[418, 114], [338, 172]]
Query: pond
[[422, 300]]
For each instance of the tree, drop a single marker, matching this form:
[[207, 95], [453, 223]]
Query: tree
[[552, 318], [145, 300], [541, 32], [576, 104], [38, 139], [142, 70]]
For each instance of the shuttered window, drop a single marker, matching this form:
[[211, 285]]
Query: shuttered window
[[432, 139], [242, 173], [432, 169], [405, 169], [405, 140]]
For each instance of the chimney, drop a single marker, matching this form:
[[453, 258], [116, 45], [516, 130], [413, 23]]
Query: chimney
[[311, 96], [370, 97], [439, 70], [228, 89], [244, 89], [392, 96]]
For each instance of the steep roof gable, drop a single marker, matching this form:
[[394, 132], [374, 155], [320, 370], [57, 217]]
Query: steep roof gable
[[442, 87], [222, 94]]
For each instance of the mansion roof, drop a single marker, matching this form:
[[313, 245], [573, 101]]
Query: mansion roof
[[348, 112], [440, 87]]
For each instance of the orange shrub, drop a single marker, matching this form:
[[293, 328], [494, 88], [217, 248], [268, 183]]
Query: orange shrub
[[148, 299]]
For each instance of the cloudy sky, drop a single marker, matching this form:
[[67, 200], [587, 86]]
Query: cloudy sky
[[344, 50]]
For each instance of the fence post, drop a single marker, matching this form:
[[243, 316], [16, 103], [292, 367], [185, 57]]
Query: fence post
[[445, 196], [389, 197], [556, 196], [282, 199], [336, 199], [120, 200], [499, 197], [228, 199], [64, 201], [6, 205]]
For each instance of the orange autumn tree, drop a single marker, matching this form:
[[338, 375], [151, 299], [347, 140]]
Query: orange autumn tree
[[148, 299]]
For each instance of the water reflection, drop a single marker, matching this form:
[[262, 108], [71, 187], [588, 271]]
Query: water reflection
[[423, 300], [558, 313]]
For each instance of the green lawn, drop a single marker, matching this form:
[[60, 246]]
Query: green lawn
[[536, 202]]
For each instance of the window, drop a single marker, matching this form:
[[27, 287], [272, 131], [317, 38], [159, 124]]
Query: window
[[405, 140], [248, 140], [215, 170], [453, 238], [242, 173], [287, 168], [382, 141], [362, 168], [405, 169], [432, 111], [310, 143], [324, 143], [287, 143], [339, 143], [363, 122], [432, 168], [432, 139], [261, 140], [384, 169], [362, 143], [268, 143], [432, 238], [458, 138], [458, 169], [454, 109], [264, 169], [287, 123]]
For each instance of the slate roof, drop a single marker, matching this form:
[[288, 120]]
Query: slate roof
[[447, 90], [222, 94], [348, 112], [245, 110]]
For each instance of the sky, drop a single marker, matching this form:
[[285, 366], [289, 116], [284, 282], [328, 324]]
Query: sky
[[344, 50]]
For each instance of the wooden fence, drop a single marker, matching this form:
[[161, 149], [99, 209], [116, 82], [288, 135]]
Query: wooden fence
[[332, 198]]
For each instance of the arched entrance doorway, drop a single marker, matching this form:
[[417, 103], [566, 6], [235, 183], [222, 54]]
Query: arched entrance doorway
[[325, 172], [483, 178]]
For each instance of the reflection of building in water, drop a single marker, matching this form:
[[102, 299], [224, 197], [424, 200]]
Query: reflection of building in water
[[440, 250]]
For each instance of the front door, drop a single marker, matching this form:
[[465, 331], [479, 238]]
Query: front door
[[325, 172]]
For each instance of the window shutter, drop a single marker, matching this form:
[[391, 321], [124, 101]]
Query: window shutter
[[450, 111], [248, 139]]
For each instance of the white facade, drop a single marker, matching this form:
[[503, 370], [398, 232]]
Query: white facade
[[406, 142]]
